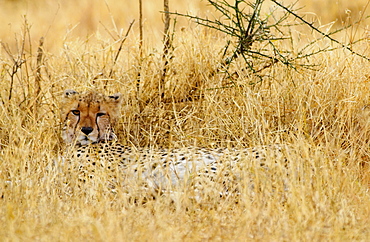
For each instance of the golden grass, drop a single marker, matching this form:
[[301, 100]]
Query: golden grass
[[319, 114]]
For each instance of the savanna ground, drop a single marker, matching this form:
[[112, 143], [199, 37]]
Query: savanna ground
[[321, 114]]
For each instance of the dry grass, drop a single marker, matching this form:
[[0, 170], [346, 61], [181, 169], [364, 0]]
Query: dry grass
[[319, 114]]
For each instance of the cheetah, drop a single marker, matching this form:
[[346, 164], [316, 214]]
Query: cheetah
[[88, 122]]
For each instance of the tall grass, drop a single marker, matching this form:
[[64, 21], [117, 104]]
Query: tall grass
[[321, 115]]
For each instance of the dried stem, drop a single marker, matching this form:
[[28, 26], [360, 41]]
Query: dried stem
[[38, 79], [140, 50], [166, 47], [120, 48]]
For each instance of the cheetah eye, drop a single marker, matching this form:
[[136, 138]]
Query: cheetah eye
[[76, 112], [100, 114]]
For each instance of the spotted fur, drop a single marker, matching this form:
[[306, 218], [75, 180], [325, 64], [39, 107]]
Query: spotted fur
[[89, 119]]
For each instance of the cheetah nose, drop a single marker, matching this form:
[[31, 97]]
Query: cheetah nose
[[86, 130]]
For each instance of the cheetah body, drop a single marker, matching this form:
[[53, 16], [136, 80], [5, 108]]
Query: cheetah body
[[89, 119]]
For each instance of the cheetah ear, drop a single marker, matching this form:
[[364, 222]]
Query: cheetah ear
[[116, 98], [68, 93]]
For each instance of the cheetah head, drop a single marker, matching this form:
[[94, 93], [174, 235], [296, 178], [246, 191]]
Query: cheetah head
[[89, 117]]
